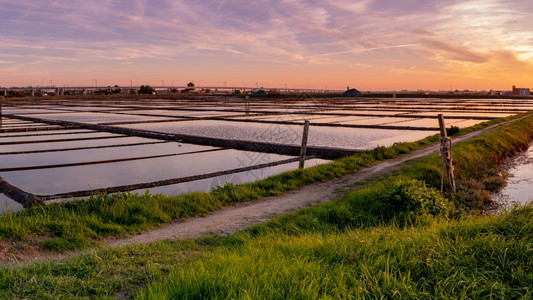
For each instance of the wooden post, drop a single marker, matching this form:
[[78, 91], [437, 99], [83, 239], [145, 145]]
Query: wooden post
[[446, 154], [303, 150], [247, 105], [14, 193], [442, 126]]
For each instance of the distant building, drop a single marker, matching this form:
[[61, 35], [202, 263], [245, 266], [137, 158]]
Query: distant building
[[351, 93], [521, 91], [190, 85], [260, 92]]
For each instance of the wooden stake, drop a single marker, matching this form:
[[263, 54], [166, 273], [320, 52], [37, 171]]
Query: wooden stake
[[442, 126], [446, 154], [303, 150]]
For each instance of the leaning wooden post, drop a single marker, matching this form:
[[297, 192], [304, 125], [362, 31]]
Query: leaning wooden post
[[14, 193], [303, 150], [446, 154]]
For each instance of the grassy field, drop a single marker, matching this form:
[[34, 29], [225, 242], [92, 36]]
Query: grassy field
[[397, 238], [476, 258]]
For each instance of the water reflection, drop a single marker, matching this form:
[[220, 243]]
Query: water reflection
[[88, 177], [8, 205], [349, 138], [519, 188], [205, 185]]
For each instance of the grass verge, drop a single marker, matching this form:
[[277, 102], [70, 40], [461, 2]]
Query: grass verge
[[478, 258]]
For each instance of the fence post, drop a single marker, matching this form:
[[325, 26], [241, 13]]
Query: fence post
[[446, 154], [247, 105], [303, 150]]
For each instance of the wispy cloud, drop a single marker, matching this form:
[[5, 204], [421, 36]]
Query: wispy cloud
[[361, 50], [437, 36]]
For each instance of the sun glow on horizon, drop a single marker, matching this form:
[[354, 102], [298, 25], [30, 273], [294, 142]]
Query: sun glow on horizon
[[371, 45]]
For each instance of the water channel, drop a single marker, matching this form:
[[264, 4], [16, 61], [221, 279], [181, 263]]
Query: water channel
[[519, 189]]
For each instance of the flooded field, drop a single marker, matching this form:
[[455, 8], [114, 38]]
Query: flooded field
[[57, 149]]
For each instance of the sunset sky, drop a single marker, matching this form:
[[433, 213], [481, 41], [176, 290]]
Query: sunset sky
[[369, 44]]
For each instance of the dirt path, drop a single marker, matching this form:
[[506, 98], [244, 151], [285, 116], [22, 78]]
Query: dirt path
[[234, 218]]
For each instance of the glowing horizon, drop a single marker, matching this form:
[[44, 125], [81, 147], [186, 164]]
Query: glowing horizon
[[368, 45]]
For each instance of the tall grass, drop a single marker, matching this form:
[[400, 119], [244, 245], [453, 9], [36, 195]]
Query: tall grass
[[478, 258]]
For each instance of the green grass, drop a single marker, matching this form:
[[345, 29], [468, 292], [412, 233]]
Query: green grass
[[101, 274], [478, 258], [397, 238]]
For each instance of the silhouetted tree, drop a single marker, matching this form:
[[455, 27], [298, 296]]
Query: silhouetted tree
[[146, 89]]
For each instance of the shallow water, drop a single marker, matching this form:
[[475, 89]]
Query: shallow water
[[206, 185], [88, 108], [20, 111], [519, 187], [74, 144], [467, 114], [182, 113], [51, 138], [87, 177], [8, 205], [349, 138], [43, 133], [96, 117], [88, 155]]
